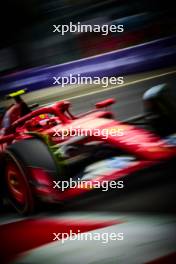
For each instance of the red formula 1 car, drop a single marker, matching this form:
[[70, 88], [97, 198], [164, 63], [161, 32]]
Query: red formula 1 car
[[50, 155]]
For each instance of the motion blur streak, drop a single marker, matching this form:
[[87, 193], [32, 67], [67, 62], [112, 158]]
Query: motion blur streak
[[25, 235]]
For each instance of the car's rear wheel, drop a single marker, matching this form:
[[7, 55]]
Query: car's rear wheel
[[22, 161], [17, 186]]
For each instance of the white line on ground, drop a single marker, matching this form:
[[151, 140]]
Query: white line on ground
[[123, 85]]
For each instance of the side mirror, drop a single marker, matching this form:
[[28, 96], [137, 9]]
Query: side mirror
[[105, 103]]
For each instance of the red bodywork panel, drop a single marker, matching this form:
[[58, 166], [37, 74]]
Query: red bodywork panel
[[134, 140], [147, 147]]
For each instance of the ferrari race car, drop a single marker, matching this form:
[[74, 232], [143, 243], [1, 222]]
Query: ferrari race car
[[50, 155]]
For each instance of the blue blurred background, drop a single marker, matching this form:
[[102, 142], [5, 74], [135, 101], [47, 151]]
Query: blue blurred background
[[27, 38]]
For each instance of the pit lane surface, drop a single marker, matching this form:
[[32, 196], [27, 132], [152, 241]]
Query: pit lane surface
[[129, 98], [141, 208]]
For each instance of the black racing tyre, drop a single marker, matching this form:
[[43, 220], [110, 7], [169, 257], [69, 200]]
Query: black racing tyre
[[21, 155]]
